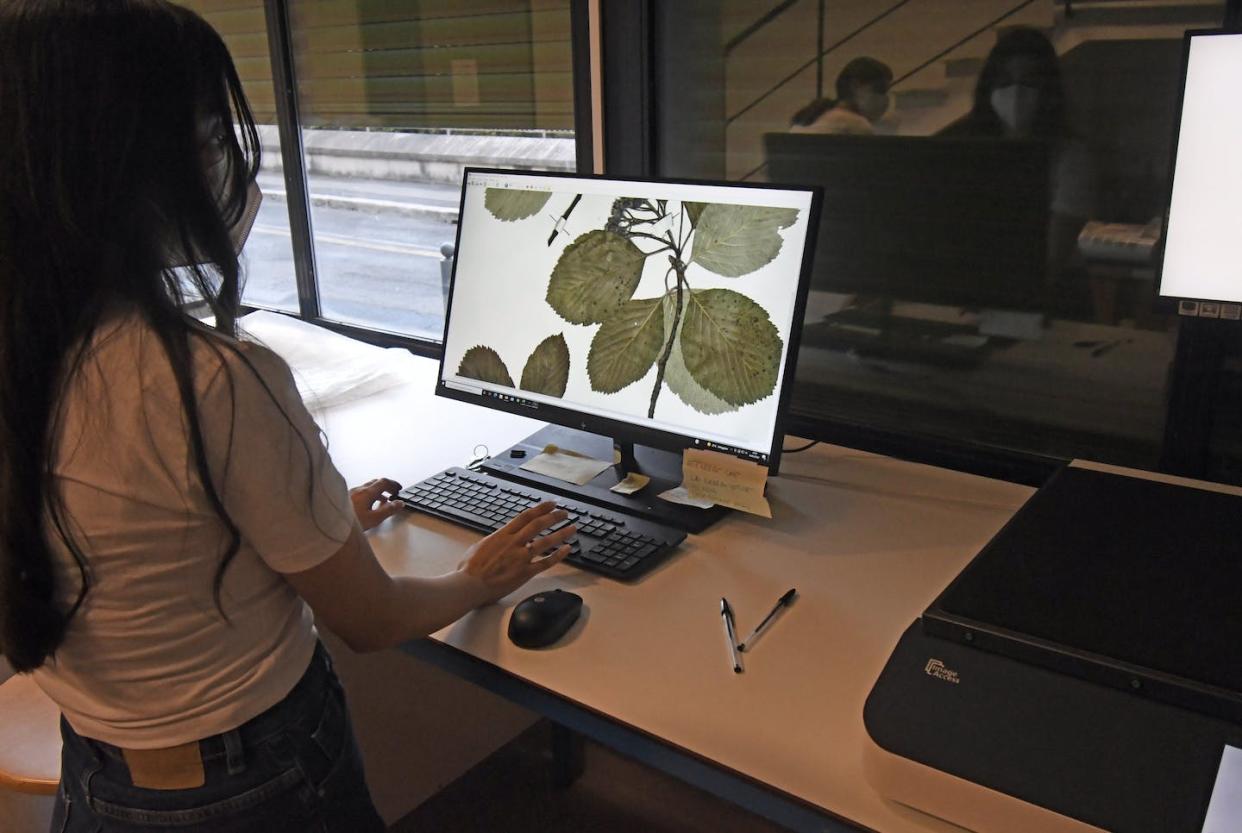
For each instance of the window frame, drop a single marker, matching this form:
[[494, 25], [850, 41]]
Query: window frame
[[293, 163]]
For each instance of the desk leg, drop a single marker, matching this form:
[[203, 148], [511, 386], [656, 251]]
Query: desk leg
[[568, 756]]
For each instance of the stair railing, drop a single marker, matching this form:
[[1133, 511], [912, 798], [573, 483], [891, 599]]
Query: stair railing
[[763, 20], [819, 57], [976, 33], [822, 52]]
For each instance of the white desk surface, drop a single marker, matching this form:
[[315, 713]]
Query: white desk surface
[[867, 540]]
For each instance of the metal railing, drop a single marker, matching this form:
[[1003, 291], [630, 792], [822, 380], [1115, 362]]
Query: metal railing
[[962, 41], [763, 20], [822, 53]]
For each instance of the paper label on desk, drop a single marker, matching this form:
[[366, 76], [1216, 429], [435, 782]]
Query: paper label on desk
[[566, 465], [633, 482], [726, 480], [681, 496]]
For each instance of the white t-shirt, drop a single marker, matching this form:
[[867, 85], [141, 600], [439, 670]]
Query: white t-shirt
[[148, 661], [837, 120]]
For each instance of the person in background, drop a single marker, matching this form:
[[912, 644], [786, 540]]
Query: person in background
[[1020, 94], [862, 100], [170, 521]]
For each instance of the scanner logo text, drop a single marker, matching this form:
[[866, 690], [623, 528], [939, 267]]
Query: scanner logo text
[[936, 668]]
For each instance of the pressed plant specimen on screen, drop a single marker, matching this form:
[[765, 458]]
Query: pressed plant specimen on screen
[[714, 348], [546, 371]]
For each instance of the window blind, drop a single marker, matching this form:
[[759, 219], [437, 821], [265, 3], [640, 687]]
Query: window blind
[[463, 64]]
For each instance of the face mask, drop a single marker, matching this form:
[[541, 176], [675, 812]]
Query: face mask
[[1016, 106], [872, 104], [239, 232]]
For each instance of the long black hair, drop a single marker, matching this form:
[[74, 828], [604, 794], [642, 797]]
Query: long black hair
[[102, 184], [1021, 42]]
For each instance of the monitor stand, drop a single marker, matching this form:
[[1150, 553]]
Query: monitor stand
[[663, 467]]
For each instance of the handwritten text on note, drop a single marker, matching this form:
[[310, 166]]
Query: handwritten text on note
[[726, 480]]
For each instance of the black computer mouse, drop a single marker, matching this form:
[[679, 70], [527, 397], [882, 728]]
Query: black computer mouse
[[541, 619]]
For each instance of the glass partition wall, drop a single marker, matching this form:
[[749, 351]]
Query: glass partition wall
[[994, 173]]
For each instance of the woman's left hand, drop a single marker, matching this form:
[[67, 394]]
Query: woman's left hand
[[370, 505]]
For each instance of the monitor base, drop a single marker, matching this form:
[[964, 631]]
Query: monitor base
[[663, 467]]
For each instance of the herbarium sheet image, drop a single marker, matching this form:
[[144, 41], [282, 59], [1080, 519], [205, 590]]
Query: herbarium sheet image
[[635, 306]]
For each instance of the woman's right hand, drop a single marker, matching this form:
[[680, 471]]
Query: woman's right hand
[[514, 554]]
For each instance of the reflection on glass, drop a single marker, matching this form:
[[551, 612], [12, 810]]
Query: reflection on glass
[[984, 265], [396, 99]]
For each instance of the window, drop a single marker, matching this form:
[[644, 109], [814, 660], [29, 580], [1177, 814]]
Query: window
[[395, 100], [392, 101], [994, 180], [268, 257]]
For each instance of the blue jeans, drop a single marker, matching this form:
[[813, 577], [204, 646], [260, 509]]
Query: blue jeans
[[296, 767]]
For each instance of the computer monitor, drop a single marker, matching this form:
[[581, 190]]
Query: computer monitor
[[954, 221], [654, 313], [1200, 260]]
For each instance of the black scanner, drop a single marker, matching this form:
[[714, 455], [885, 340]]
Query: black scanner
[[541, 619]]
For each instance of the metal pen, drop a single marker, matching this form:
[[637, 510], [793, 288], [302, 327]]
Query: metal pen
[[781, 603], [726, 613]]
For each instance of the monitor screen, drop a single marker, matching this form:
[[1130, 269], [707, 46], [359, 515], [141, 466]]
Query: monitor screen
[[956, 221], [1205, 208], [654, 312], [1224, 813]]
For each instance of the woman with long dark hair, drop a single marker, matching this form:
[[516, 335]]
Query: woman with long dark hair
[[1020, 94], [1020, 91], [169, 516]]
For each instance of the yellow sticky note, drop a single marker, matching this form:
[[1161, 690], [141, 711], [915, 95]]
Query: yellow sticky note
[[633, 482], [726, 480]]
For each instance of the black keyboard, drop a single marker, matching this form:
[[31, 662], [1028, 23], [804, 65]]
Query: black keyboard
[[613, 545]]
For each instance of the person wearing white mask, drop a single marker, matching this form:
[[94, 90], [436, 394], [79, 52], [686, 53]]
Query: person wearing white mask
[[862, 100], [1020, 94]]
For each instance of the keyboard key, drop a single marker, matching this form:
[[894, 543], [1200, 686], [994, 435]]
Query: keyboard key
[[463, 515], [628, 563]]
